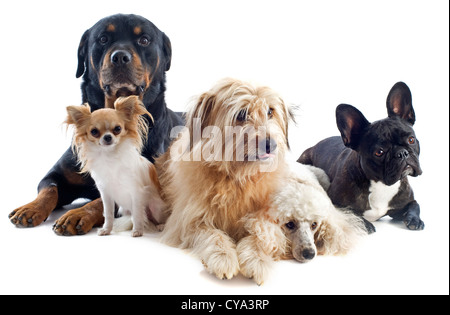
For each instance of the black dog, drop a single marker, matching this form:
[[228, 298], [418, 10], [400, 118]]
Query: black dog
[[368, 166], [120, 55]]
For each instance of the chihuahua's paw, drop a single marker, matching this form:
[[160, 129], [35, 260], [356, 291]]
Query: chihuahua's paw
[[104, 231], [137, 233]]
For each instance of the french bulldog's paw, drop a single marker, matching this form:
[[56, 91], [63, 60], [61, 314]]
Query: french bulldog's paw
[[414, 223]]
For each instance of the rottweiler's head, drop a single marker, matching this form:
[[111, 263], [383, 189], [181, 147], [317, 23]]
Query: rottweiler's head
[[122, 55]]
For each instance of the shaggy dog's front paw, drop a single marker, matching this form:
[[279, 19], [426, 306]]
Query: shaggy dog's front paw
[[223, 264]]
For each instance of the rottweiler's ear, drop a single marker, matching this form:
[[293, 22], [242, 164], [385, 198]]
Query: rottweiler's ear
[[352, 124], [167, 48], [82, 54], [399, 103]]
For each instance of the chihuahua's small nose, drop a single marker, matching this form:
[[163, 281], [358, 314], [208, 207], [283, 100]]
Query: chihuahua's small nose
[[107, 139]]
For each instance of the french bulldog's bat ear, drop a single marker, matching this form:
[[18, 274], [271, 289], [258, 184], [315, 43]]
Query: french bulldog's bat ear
[[399, 103], [351, 123]]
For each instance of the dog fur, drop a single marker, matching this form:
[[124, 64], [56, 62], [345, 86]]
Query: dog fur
[[209, 196], [300, 223]]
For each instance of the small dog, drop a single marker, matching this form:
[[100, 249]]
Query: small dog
[[108, 143], [300, 223], [225, 164], [369, 164]]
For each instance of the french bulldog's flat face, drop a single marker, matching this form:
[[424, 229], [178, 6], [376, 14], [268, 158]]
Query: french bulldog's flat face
[[389, 151], [388, 148]]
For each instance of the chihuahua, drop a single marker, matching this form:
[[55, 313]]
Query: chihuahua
[[108, 143]]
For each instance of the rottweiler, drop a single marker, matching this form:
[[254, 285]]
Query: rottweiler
[[120, 55]]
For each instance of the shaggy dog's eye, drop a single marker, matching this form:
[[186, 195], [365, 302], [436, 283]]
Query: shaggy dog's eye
[[117, 130], [314, 226], [290, 225], [270, 113], [242, 115], [95, 133]]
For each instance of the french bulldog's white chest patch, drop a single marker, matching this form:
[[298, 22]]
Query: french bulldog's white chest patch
[[379, 198]]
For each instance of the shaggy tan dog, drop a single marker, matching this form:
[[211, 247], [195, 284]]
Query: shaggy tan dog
[[224, 165]]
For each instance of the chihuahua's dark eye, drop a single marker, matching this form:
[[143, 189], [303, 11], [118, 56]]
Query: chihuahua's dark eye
[[95, 133], [314, 226], [290, 225], [144, 41], [242, 115], [379, 153], [103, 39], [117, 130], [411, 140], [270, 113]]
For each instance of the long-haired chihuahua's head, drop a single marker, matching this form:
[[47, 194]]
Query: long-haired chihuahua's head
[[106, 128]]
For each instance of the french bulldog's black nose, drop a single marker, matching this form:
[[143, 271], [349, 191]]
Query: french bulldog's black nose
[[402, 154], [120, 57], [308, 253]]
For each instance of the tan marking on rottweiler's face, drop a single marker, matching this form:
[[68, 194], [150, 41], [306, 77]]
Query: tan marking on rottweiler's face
[[111, 28]]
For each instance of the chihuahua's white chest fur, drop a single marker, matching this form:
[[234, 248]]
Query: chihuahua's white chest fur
[[122, 176], [379, 198]]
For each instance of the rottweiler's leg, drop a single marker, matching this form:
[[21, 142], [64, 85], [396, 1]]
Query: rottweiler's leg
[[62, 185], [81, 220]]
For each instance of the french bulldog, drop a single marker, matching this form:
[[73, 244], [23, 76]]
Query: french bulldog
[[369, 164]]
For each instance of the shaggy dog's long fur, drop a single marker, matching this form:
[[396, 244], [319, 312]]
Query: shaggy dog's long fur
[[300, 223], [209, 192]]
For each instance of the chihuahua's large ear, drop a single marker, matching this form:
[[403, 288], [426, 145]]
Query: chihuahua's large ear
[[82, 54], [131, 106], [78, 115], [399, 103], [352, 124]]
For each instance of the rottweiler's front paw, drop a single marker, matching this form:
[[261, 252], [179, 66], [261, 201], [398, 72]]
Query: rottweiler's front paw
[[80, 221], [29, 215]]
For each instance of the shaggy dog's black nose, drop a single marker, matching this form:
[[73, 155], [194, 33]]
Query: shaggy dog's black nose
[[120, 57], [271, 145], [308, 253]]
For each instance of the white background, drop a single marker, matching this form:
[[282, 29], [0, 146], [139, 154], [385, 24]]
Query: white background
[[317, 54]]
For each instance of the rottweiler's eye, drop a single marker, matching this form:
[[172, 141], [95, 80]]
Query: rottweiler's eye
[[117, 130], [103, 39], [95, 133], [379, 153], [314, 226], [411, 140], [242, 115], [144, 41], [270, 113], [290, 225]]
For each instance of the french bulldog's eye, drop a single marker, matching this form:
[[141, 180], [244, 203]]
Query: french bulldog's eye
[[411, 140], [379, 153], [95, 133], [314, 226], [242, 115], [290, 225], [117, 130], [270, 113]]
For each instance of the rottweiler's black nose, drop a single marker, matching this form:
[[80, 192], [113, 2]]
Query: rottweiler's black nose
[[120, 57]]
